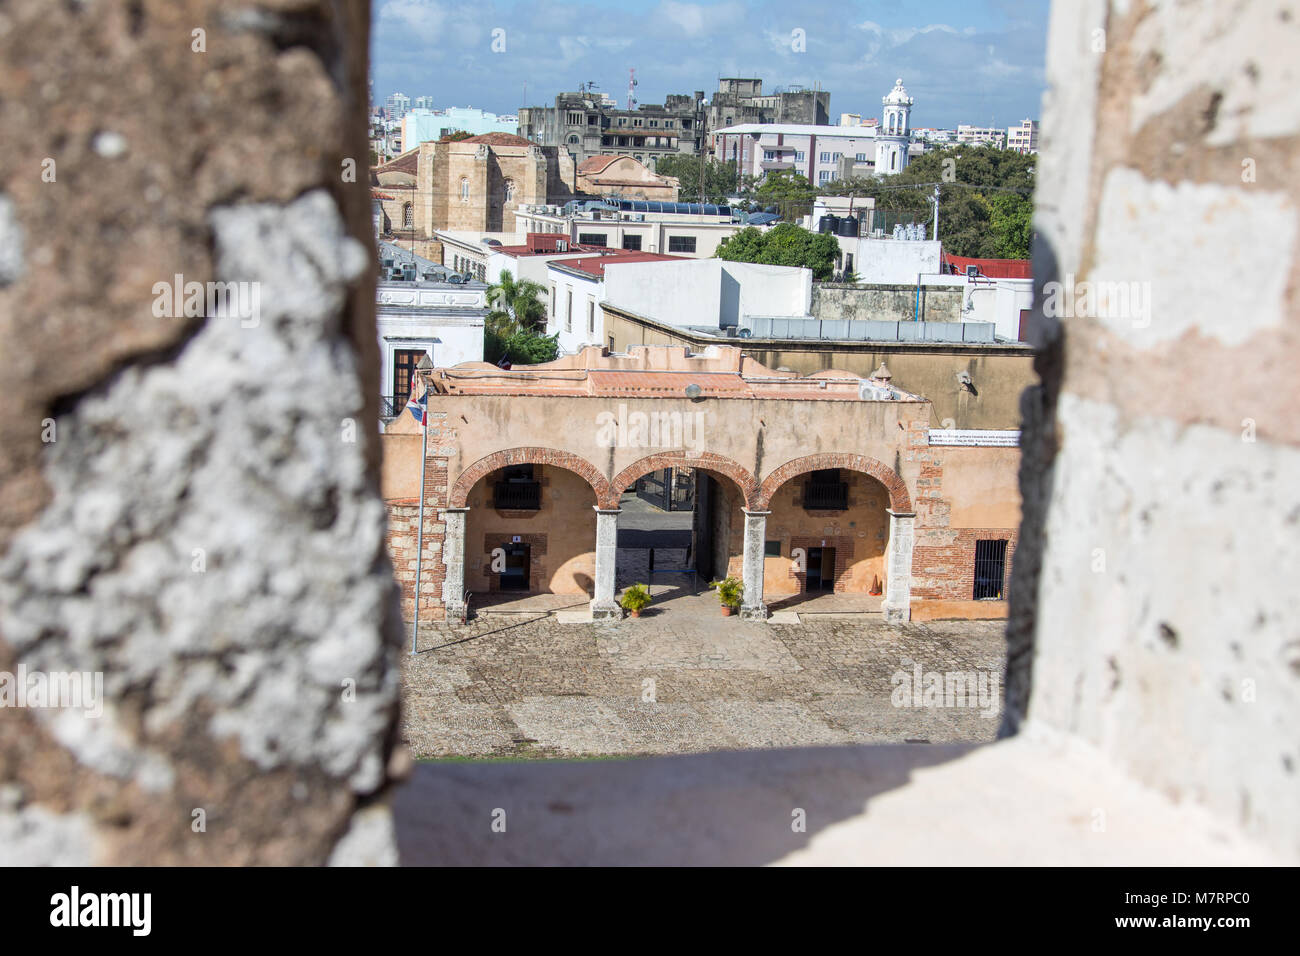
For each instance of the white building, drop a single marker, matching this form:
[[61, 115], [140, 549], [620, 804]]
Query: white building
[[1023, 138], [693, 230], [701, 294], [811, 151], [895, 134], [418, 312], [982, 135]]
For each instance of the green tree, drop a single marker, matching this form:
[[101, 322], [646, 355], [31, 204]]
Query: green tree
[[516, 304], [1012, 220], [520, 347], [790, 193], [985, 199], [784, 245], [719, 177]]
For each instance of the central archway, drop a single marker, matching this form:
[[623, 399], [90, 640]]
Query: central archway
[[706, 461]]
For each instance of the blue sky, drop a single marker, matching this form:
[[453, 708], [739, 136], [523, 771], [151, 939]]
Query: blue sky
[[964, 61]]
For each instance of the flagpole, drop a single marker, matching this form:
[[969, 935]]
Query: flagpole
[[419, 532]]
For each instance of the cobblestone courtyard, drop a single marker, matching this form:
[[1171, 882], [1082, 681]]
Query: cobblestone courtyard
[[685, 681]]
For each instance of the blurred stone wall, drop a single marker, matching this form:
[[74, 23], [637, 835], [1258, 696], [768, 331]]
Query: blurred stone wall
[[1155, 604], [190, 512]]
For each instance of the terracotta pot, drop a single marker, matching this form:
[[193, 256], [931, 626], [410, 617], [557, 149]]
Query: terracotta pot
[[636, 613], [728, 610]]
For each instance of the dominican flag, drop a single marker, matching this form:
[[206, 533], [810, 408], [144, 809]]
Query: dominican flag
[[419, 407]]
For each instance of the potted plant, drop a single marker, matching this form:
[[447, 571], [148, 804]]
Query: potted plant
[[634, 599], [730, 592]]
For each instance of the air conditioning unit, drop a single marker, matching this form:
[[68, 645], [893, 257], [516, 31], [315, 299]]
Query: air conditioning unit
[[972, 272]]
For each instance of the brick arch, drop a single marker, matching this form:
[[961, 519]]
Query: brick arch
[[705, 461], [530, 456], [899, 499]]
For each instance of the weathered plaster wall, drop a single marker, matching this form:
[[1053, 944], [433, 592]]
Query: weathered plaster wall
[[1156, 604], [887, 303], [247, 674]]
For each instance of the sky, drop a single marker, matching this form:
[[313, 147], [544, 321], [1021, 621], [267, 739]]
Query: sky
[[963, 61]]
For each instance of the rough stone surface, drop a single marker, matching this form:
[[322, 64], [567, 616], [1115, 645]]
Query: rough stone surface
[[201, 523]]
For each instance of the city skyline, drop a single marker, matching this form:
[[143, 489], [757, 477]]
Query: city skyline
[[979, 64]]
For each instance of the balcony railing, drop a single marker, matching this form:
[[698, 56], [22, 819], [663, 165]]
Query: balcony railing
[[825, 497], [517, 496], [390, 406]]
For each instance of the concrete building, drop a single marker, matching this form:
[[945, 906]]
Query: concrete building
[[589, 123], [832, 482], [982, 136], [681, 229], [814, 152], [740, 101], [623, 177], [418, 313], [577, 288], [1023, 138]]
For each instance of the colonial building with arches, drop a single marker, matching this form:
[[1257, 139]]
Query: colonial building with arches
[[829, 481]]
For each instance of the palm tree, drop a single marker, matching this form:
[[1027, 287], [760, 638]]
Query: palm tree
[[517, 304]]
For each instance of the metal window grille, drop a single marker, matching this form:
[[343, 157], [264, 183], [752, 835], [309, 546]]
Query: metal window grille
[[990, 570]]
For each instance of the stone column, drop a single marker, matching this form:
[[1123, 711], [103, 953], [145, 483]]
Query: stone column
[[453, 556], [752, 607], [897, 605], [603, 605]]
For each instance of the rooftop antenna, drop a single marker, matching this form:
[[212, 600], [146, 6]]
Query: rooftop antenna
[[631, 89]]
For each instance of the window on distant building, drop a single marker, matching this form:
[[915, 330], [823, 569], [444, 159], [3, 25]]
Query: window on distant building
[[824, 176], [622, 121], [798, 156], [408, 216], [574, 140], [638, 121], [772, 549], [654, 123], [552, 300], [591, 316], [861, 157], [668, 124], [681, 243], [591, 120], [464, 189], [835, 157], [593, 239], [575, 119], [990, 570], [404, 363], [568, 312], [686, 124], [825, 157], [769, 155], [632, 242], [510, 190]]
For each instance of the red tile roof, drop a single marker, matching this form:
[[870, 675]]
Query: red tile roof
[[595, 265], [499, 139], [595, 164]]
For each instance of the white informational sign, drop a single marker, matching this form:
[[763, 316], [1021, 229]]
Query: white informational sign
[[985, 437]]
